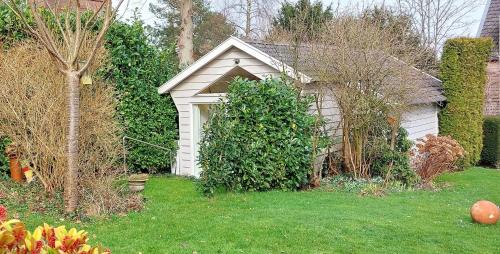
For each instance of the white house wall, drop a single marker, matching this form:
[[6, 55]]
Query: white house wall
[[421, 120], [184, 96]]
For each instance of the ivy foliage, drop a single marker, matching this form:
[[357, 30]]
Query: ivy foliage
[[137, 68], [4, 160], [258, 139], [396, 164], [491, 150], [463, 72], [11, 28]]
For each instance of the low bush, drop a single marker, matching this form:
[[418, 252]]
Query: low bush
[[260, 138], [395, 164], [15, 238], [435, 155], [376, 186], [491, 149]]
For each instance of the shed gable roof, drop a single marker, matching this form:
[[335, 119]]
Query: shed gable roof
[[281, 58], [429, 87], [222, 48]]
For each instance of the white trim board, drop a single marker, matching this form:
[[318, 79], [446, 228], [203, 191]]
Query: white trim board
[[219, 50]]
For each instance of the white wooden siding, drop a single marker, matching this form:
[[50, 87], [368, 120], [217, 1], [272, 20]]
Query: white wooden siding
[[184, 96], [421, 120]]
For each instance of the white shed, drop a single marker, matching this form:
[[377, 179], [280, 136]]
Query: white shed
[[206, 81]]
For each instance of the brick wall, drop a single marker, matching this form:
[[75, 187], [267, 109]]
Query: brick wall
[[492, 106]]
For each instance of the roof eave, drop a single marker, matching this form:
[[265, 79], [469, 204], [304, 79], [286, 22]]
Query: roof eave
[[219, 50]]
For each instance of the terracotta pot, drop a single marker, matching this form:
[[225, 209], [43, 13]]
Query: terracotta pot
[[485, 212], [15, 169]]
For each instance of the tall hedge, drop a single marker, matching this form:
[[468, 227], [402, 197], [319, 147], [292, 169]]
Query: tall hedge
[[491, 150], [137, 68], [259, 139], [463, 72]]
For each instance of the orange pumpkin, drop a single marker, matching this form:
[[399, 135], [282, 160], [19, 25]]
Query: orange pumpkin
[[485, 212]]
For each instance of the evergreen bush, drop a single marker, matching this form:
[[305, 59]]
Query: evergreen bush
[[259, 139], [395, 164], [491, 149], [137, 68], [463, 72]]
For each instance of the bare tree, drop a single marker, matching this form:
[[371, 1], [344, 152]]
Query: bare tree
[[437, 20], [64, 43], [185, 42], [367, 83], [256, 14]]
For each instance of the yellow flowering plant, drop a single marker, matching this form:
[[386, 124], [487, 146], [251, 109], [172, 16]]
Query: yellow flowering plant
[[14, 238]]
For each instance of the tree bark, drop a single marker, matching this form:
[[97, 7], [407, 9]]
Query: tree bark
[[185, 41], [71, 181], [248, 26]]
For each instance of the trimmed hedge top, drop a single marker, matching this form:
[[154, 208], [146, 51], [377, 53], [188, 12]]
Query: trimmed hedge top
[[463, 72]]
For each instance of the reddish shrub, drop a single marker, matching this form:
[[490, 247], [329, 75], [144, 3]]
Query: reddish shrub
[[3, 213], [435, 155]]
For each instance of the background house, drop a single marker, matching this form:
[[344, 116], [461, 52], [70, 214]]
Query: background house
[[489, 28], [205, 82]]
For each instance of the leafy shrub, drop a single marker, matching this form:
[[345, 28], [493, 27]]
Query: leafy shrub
[[463, 72], [491, 148], [259, 139], [4, 160], [137, 68], [396, 164], [436, 155], [11, 28], [14, 238]]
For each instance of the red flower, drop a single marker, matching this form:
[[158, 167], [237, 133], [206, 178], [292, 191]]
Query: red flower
[[3, 213]]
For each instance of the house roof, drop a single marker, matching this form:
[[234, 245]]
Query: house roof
[[219, 50], [490, 23], [283, 58], [429, 88]]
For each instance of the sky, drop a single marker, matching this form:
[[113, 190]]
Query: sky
[[128, 6]]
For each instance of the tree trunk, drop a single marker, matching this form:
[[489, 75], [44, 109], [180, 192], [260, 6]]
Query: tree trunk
[[248, 27], [185, 42], [71, 185]]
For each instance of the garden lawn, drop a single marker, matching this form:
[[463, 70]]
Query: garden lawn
[[178, 219]]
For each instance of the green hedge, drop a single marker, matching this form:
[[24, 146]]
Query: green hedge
[[260, 139], [137, 68], [463, 72], [491, 150]]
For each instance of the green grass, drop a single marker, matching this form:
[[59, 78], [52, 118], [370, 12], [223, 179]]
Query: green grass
[[177, 219]]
